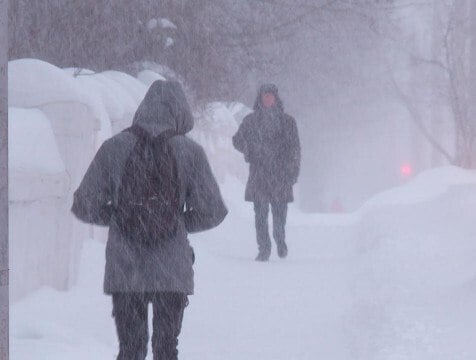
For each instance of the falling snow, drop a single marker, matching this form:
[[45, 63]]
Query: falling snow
[[380, 225]]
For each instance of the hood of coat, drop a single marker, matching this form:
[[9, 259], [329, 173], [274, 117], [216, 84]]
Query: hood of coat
[[268, 89], [164, 108]]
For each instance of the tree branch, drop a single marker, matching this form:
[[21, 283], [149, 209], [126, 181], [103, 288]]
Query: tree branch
[[419, 122]]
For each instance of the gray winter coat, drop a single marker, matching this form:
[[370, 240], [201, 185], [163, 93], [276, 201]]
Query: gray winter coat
[[167, 267], [269, 140]]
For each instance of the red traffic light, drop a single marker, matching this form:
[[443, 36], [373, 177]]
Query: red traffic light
[[406, 170]]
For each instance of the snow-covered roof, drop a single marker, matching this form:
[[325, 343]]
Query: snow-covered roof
[[113, 96], [110, 95], [32, 83]]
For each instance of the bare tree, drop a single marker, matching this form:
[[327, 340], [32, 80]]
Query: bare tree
[[210, 44], [215, 46], [453, 64]]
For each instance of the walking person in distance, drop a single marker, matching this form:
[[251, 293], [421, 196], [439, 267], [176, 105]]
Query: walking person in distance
[[269, 141]]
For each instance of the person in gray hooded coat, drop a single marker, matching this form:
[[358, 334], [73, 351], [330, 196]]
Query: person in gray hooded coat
[[269, 141], [160, 274]]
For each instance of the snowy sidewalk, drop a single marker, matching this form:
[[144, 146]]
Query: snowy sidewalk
[[284, 309], [394, 281]]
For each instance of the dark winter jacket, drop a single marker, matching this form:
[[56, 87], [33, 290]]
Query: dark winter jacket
[[168, 267], [269, 140]]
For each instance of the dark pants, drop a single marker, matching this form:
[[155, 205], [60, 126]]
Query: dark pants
[[279, 211], [130, 314]]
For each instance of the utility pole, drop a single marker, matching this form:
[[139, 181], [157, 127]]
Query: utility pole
[[4, 304]]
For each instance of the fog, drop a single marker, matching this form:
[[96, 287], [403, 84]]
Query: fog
[[370, 91], [342, 68], [336, 80]]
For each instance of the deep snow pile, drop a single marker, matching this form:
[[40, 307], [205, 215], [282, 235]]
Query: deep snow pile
[[394, 280], [414, 285], [37, 181], [214, 128], [40, 156], [58, 119]]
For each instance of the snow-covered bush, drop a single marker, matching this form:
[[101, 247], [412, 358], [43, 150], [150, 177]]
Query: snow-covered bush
[[214, 129]]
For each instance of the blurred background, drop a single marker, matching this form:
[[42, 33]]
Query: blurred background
[[382, 247], [381, 89]]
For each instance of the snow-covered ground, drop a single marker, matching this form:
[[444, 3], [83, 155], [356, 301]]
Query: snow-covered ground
[[394, 280]]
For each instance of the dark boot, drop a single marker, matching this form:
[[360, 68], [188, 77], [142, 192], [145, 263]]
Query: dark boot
[[262, 257], [282, 250]]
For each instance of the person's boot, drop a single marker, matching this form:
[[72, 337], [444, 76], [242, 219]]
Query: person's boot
[[262, 257], [282, 250]]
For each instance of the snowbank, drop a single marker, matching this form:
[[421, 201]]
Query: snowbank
[[58, 119], [36, 169], [32, 146], [38, 187], [415, 271], [117, 104], [425, 186], [135, 88], [214, 129]]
